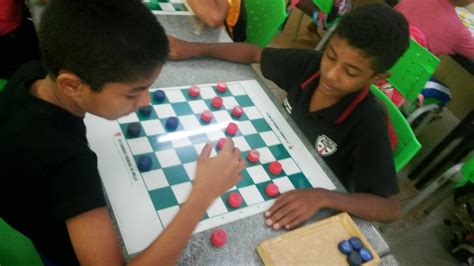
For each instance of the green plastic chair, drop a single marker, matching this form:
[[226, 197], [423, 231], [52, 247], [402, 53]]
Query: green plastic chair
[[264, 19], [16, 249], [467, 171], [411, 72], [407, 145], [324, 5], [2, 84]]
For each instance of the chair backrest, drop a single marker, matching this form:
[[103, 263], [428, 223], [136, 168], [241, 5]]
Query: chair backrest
[[467, 172], [407, 145], [16, 249], [2, 84], [264, 19], [411, 72]]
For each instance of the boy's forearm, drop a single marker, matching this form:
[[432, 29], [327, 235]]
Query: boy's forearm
[[166, 249], [236, 52], [367, 206]]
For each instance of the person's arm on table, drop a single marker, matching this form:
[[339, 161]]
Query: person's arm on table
[[92, 233], [236, 52], [297, 206]]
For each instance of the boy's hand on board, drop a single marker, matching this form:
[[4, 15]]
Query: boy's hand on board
[[293, 208], [216, 175]]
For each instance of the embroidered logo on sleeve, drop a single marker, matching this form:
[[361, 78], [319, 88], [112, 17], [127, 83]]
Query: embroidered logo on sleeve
[[325, 146]]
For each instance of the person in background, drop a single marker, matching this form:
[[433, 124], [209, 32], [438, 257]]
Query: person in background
[[18, 40], [228, 13], [444, 31]]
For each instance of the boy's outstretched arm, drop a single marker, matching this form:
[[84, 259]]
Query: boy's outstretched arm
[[92, 233], [297, 206], [236, 52]]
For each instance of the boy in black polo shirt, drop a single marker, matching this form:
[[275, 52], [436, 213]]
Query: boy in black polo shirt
[[329, 99], [100, 57]]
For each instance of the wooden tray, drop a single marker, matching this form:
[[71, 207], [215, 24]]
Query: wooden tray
[[314, 244]]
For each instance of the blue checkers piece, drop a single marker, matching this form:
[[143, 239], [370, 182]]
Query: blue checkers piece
[[356, 243], [344, 247], [354, 258], [159, 96], [145, 110], [144, 163], [365, 254], [172, 123], [134, 129]]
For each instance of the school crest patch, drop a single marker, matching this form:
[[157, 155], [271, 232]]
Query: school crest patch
[[325, 146]]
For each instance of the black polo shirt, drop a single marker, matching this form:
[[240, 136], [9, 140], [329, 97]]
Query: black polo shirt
[[351, 136], [49, 174]]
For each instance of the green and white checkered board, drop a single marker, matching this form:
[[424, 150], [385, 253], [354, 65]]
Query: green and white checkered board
[[169, 181], [171, 7]]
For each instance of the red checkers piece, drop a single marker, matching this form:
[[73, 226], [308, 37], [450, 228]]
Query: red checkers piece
[[221, 86], [234, 199], [217, 102], [232, 128], [275, 168], [219, 237], [206, 116], [237, 111], [253, 156], [272, 190], [194, 91], [220, 143]]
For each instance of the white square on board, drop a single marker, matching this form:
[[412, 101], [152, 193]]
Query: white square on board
[[153, 127], [289, 166], [258, 174], [266, 155], [217, 207], [155, 179], [130, 118], [198, 106], [246, 128], [270, 138], [167, 158], [175, 96], [140, 145], [164, 110], [251, 195], [207, 93], [182, 191], [284, 184], [252, 112], [167, 215], [189, 122]]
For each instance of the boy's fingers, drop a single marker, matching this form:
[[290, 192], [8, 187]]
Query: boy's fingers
[[228, 145], [277, 205], [281, 214], [206, 151]]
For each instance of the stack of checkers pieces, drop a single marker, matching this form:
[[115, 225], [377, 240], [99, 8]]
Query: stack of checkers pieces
[[355, 251]]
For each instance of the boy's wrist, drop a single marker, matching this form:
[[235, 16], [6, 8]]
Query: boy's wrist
[[322, 197]]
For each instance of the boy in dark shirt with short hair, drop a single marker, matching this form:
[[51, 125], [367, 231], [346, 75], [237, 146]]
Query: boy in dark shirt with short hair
[[329, 99], [99, 57]]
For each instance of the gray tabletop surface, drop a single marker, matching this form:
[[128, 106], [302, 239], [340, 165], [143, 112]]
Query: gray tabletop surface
[[245, 234]]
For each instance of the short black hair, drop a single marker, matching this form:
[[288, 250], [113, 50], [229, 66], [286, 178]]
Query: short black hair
[[378, 31], [101, 41]]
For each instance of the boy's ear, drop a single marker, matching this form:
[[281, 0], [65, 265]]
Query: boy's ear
[[69, 83], [379, 77]]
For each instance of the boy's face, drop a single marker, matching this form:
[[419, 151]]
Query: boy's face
[[117, 99], [345, 69]]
